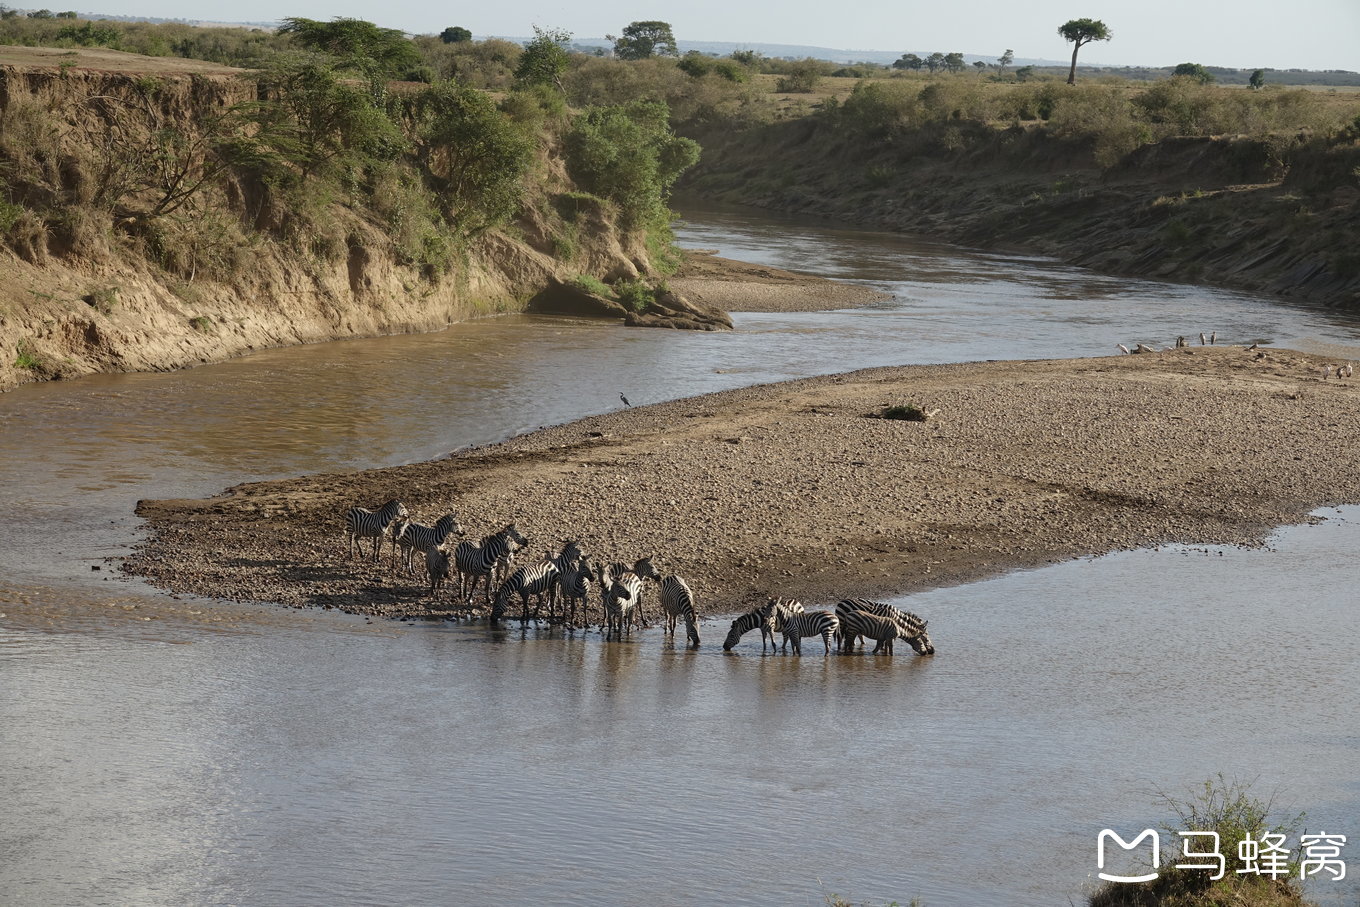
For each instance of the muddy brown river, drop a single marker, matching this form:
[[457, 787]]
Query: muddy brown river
[[166, 750]]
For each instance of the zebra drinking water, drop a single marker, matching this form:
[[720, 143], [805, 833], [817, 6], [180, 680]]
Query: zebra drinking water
[[756, 618], [476, 560], [861, 623], [678, 601], [364, 524], [412, 537], [913, 628]]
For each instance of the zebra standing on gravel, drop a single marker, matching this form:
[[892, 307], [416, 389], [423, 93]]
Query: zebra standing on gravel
[[476, 560], [678, 601], [412, 537], [913, 628], [364, 524], [795, 625], [437, 566], [531, 579]]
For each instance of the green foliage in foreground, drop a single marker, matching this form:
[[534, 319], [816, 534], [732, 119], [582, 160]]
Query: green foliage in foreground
[[1230, 809]]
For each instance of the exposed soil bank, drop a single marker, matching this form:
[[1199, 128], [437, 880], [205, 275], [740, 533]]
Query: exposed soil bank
[[1274, 217], [793, 489]]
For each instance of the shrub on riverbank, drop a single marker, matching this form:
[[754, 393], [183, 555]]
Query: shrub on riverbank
[[1230, 810]]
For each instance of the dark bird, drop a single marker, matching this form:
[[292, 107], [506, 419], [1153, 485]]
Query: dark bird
[[625, 400]]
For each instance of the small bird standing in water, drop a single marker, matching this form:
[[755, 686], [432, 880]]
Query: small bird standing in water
[[625, 400]]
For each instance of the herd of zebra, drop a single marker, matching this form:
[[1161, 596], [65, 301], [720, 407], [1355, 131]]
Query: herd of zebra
[[563, 583]]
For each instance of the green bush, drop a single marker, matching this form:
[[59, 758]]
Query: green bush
[[628, 155], [592, 285], [635, 295]]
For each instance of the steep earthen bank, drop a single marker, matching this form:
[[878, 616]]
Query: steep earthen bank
[[798, 489], [98, 285], [1274, 216]]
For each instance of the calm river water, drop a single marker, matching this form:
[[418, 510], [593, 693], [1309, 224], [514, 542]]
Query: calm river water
[[277, 757]]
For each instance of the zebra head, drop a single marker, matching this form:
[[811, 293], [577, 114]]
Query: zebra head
[[921, 641], [511, 534], [448, 523], [644, 569], [733, 635]]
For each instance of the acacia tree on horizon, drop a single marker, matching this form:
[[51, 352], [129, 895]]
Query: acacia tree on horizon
[[1081, 32]]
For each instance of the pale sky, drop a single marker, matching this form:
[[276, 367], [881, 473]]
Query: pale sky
[[1300, 34]]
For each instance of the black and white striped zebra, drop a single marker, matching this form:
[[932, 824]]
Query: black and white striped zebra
[[883, 630], [411, 537], [771, 606], [677, 601], [574, 586], [795, 625], [475, 561], [365, 524], [642, 569], [565, 560], [759, 618], [437, 561], [525, 581], [620, 591], [913, 627]]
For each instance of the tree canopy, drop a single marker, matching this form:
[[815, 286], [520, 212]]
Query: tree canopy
[[455, 34], [1081, 32], [545, 58], [356, 44], [641, 40], [1194, 71]]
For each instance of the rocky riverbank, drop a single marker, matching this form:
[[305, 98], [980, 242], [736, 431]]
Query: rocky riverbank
[[800, 489]]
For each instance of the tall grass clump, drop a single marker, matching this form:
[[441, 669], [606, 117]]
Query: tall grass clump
[[1231, 810]]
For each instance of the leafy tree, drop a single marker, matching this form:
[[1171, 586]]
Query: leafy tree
[[475, 156], [1024, 73], [1194, 71], [356, 44], [1081, 32], [909, 61], [746, 57], [1258, 78], [802, 77], [979, 65], [317, 124], [629, 155], [953, 62], [641, 40], [41, 14], [545, 58], [68, 14], [455, 34], [935, 62], [1006, 59]]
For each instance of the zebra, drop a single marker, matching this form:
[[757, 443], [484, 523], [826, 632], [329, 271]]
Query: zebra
[[773, 605], [912, 626], [795, 625], [574, 585], [437, 566], [412, 537], [566, 559], [759, 617], [641, 569], [531, 579], [620, 591], [678, 601], [362, 524], [476, 560], [862, 623]]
